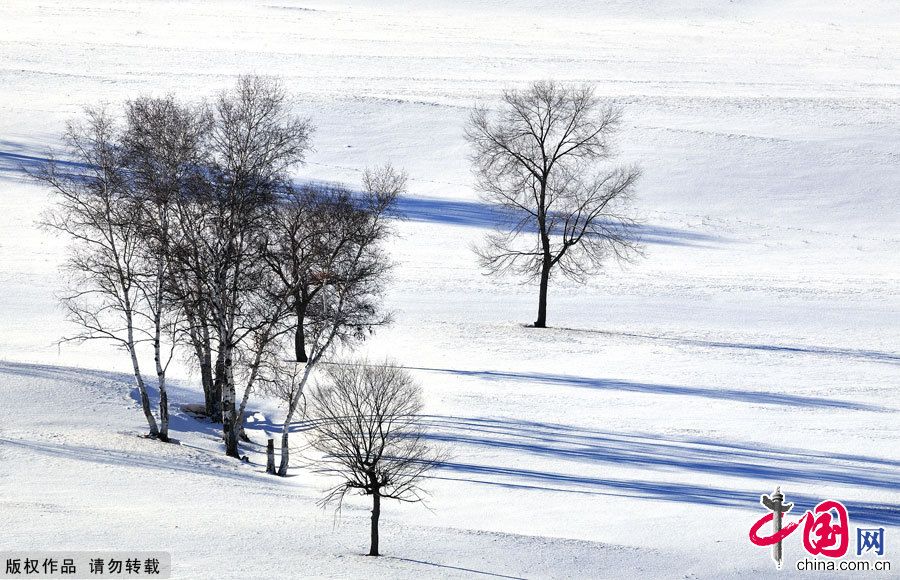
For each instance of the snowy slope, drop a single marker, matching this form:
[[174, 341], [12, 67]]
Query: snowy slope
[[755, 345]]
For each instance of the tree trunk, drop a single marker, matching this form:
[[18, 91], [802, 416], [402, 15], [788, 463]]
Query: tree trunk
[[299, 337], [376, 512], [142, 391], [239, 426], [285, 456], [541, 321], [145, 405], [270, 456], [229, 413], [218, 376], [292, 407], [163, 410], [300, 344], [158, 325], [199, 336], [206, 379], [212, 392], [285, 434], [161, 383]]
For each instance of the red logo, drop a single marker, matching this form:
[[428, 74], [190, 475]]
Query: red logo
[[826, 528], [823, 536]]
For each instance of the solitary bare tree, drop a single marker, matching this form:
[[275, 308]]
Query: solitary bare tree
[[366, 423], [542, 160]]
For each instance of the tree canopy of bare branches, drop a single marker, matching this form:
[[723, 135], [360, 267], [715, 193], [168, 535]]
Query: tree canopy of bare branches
[[544, 160], [323, 235], [189, 233], [325, 256], [163, 148], [366, 422]]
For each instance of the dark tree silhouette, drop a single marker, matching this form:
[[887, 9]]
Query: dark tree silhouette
[[541, 160], [325, 256], [366, 422]]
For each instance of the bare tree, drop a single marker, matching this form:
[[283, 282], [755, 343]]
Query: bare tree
[[366, 423], [163, 145], [326, 257], [169, 217], [168, 149], [254, 142], [317, 226], [540, 159], [96, 210]]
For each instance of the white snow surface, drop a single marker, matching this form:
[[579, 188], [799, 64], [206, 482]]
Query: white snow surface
[[755, 345]]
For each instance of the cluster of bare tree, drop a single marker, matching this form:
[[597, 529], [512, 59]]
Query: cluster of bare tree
[[191, 237]]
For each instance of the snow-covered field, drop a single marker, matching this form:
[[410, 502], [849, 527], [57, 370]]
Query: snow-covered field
[[756, 344]]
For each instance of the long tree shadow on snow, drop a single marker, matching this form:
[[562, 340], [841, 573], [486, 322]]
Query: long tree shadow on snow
[[207, 465], [873, 513], [482, 215], [687, 455], [649, 451], [15, 159], [755, 397], [693, 455], [468, 571], [854, 353], [110, 383]]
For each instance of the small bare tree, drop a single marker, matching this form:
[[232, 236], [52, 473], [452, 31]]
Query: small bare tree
[[366, 423], [325, 255], [318, 226], [540, 159]]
